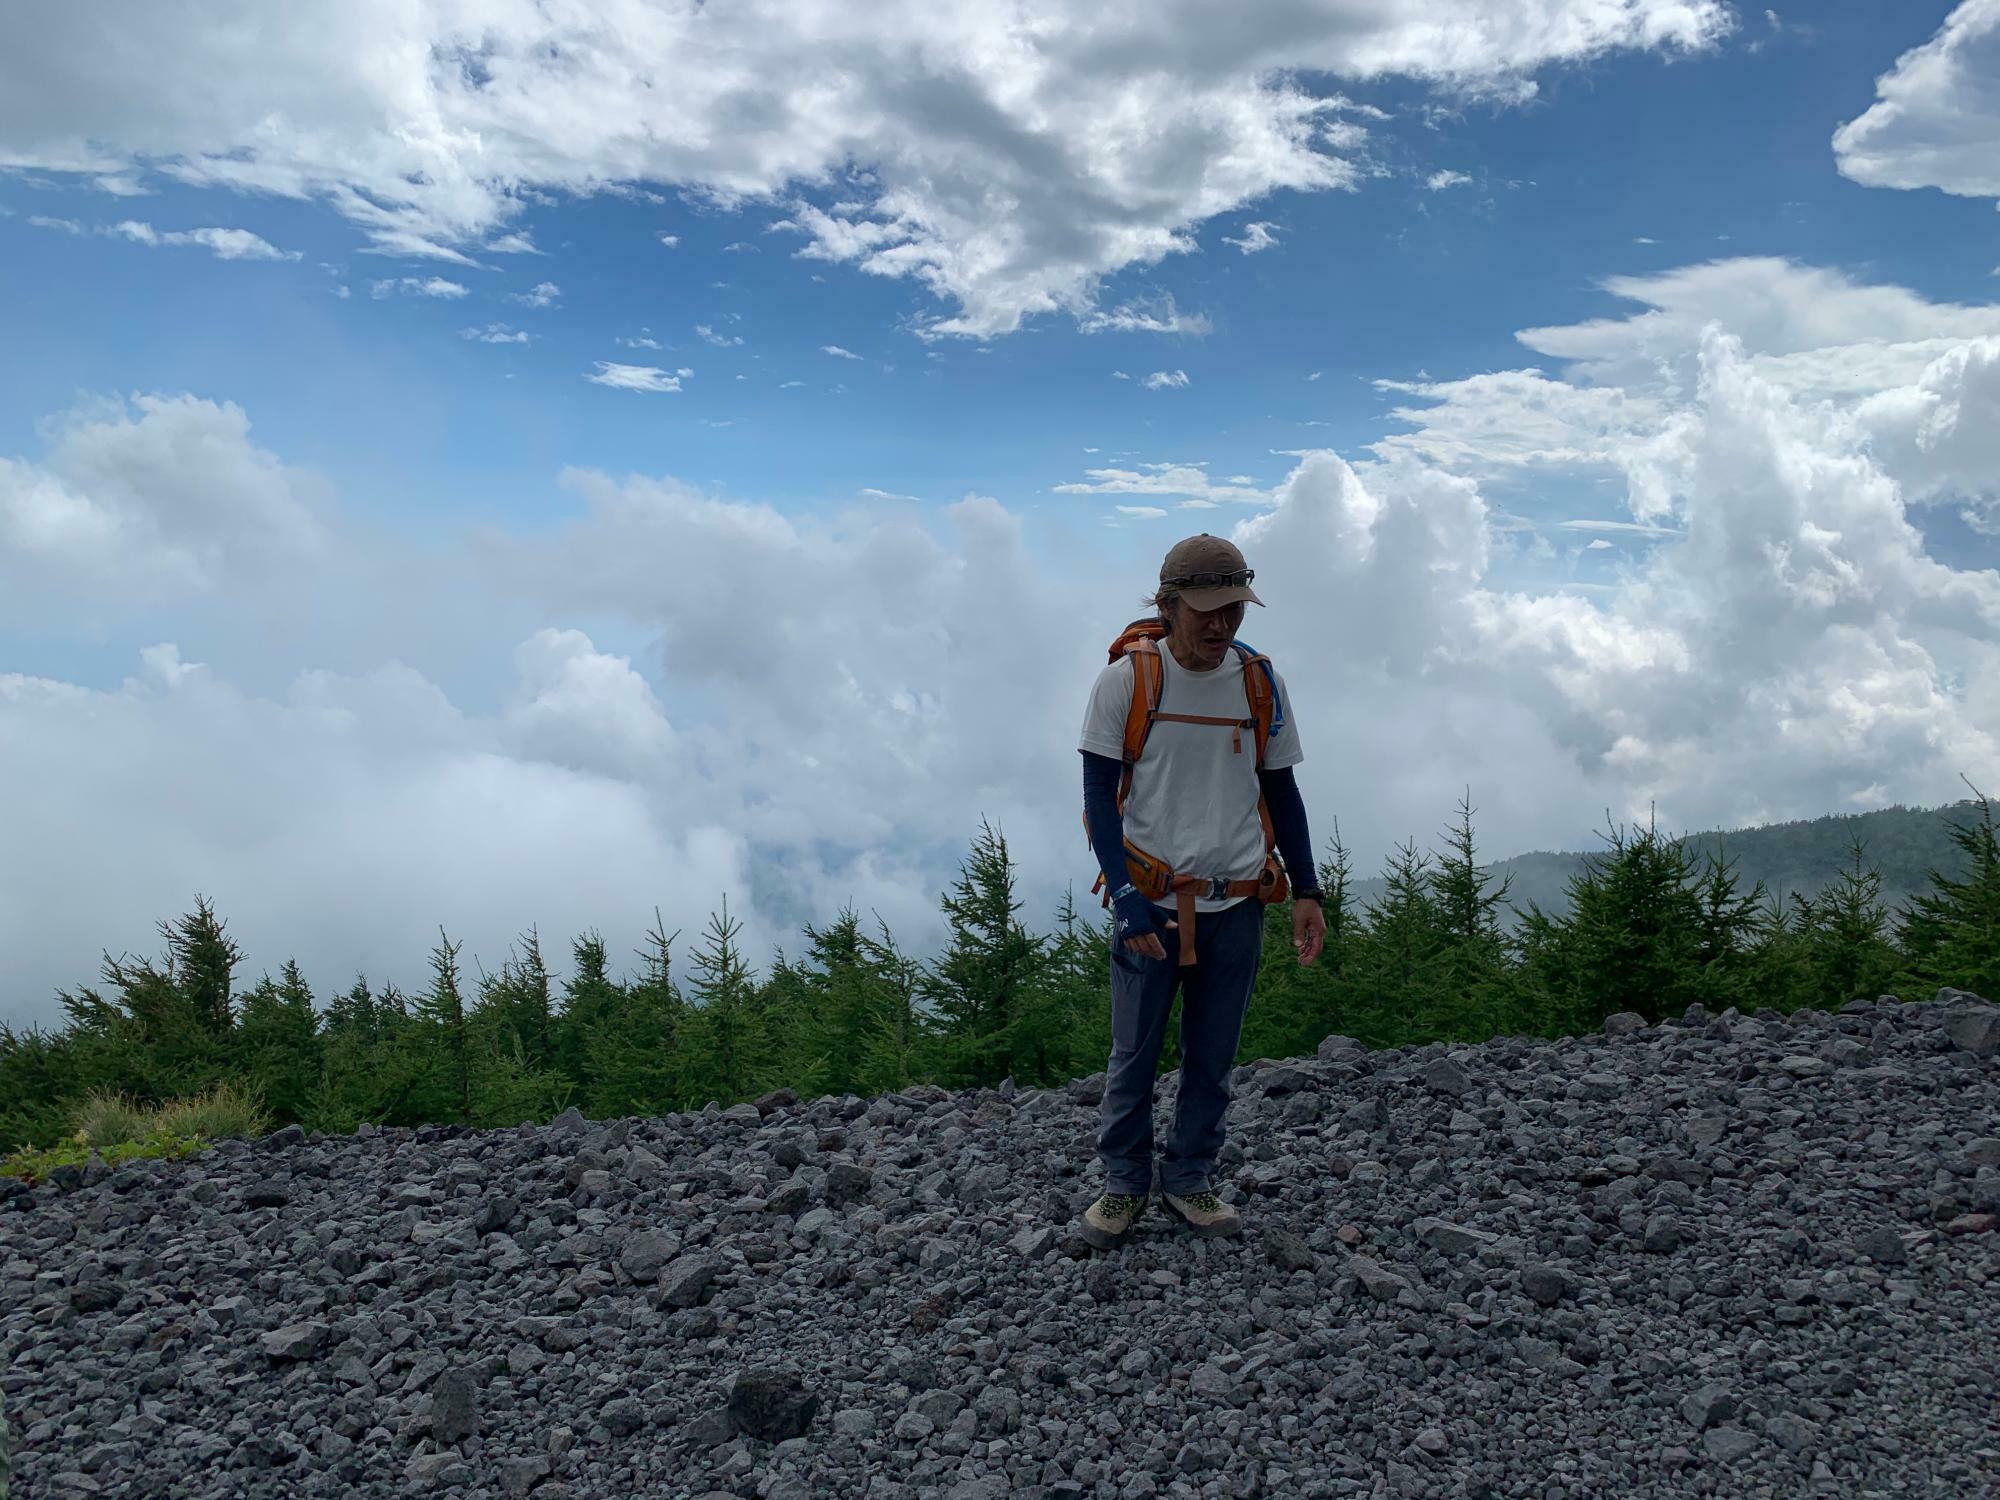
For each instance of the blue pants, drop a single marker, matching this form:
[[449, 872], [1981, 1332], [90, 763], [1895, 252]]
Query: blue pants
[[1215, 993]]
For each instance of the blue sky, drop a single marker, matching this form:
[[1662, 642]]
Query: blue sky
[[328, 488]]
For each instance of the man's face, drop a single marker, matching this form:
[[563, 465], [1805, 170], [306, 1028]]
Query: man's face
[[1202, 636]]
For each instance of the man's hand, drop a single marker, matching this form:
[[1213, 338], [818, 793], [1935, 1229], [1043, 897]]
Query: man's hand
[[1150, 946], [1308, 930]]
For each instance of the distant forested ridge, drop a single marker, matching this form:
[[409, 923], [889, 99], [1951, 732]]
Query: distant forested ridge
[[1904, 845], [1441, 948]]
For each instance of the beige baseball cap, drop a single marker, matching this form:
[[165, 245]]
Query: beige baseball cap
[[1209, 572]]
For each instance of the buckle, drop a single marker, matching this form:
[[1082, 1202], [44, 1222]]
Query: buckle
[[1218, 889]]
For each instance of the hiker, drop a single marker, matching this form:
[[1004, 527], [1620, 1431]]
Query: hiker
[[1190, 802]]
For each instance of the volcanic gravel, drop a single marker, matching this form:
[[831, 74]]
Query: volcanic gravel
[[1733, 1255]]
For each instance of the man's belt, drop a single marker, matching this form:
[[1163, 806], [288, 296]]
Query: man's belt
[[1187, 889]]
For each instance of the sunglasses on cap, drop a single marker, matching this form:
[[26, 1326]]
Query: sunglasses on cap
[[1236, 580]]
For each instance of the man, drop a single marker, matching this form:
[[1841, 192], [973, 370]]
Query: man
[[1193, 805]]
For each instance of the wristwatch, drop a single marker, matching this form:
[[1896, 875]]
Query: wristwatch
[[1315, 894]]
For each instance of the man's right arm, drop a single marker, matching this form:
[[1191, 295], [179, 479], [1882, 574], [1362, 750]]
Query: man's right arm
[[1137, 916]]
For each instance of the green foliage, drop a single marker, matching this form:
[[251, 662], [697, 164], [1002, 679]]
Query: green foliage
[[1951, 935], [985, 987], [1649, 924], [35, 1164], [104, 1118], [114, 1129], [221, 1113], [1905, 845]]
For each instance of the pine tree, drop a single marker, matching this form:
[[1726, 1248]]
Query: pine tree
[[442, 1027], [514, 1006], [632, 1037], [1636, 930], [980, 986], [1472, 990], [278, 1043], [1066, 1004], [1726, 929], [204, 960], [1951, 933], [900, 1045], [1779, 961], [1397, 971], [730, 1047], [1848, 952]]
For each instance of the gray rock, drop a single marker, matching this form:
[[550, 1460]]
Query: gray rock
[[685, 1281], [644, 1254], [709, 1429], [1376, 1280], [455, 1406], [1546, 1284], [1729, 1445], [1216, 1385], [789, 1198], [1033, 1242], [1283, 1079], [1287, 1251], [1708, 1405], [1624, 1023], [294, 1341], [1663, 1234], [1443, 1075], [623, 1416], [519, 1476], [1450, 1239], [1971, 1023], [771, 1404], [1793, 1434], [1883, 1246], [846, 1182]]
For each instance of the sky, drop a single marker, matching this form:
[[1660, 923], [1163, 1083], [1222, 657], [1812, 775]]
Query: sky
[[493, 465]]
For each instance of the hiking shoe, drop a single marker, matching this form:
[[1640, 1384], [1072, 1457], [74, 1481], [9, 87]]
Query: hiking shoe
[[1107, 1223], [1204, 1213]]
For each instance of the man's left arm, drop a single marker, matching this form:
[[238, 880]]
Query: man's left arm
[[1288, 824]]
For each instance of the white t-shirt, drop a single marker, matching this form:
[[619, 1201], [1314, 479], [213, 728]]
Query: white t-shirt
[[1194, 800]]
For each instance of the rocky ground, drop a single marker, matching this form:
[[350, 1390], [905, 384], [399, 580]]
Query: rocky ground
[[1741, 1255]]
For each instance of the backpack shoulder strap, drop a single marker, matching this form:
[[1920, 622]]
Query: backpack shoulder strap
[[1148, 677], [1260, 686]]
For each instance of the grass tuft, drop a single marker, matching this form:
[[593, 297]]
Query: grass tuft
[[114, 1129], [105, 1118], [220, 1113]]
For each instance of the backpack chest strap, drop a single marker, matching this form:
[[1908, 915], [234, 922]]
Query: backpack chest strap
[[1236, 726]]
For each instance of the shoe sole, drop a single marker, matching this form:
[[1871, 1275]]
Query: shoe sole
[[1104, 1239], [1206, 1231]]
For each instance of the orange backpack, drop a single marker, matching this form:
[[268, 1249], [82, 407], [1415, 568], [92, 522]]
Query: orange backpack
[[1152, 876]]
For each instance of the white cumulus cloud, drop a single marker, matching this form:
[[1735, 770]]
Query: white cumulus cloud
[[1009, 158], [1936, 120]]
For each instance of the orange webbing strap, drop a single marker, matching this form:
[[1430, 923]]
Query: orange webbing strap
[[1186, 888], [1147, 679], [1235, 726]]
